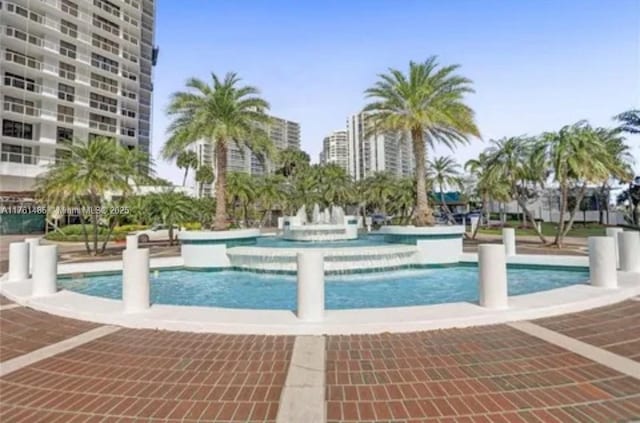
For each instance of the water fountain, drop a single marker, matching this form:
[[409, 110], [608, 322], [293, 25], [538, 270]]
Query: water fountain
[[330, 224]]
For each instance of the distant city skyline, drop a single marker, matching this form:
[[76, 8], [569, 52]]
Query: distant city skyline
[[536, 66]]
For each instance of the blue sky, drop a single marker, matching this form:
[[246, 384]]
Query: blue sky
[[536, 64]]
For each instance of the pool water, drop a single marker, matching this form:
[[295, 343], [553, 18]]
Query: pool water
[[247, 290], [362, 241]]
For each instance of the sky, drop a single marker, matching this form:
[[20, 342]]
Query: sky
[[536, 65]]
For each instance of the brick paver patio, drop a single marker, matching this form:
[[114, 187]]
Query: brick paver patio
[[153, 376], [484, 374], [614, 328], [25, 330]]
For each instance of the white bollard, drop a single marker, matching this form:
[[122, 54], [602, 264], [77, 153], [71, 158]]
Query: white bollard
[[613, 233], [509, 241], [33, 243], [474, 223], [311, 286], [132, 242], [18, 261], [602, 262], [492, 272], [135, 280], [629, 251], [45, 271]]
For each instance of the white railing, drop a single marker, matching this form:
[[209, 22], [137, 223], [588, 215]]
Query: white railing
[[20, 158], [22, 109], [21, 84], [102, 126]]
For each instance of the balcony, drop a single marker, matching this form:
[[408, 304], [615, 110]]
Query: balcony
[[21, 109], [102, 126], [65, 118], [22, 84], [19, 158], [23, 60]]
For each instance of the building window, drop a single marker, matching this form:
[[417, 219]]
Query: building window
[[21, 59], [101, 102], [66, 92], [12, 128], [21, 35], [20, 82], [106, 25], [69, 28], [18, 105], [103, 123], [17, 154], [69, 7], [104, 83], [24, 12], [67, 49], [65, 114], [64, 135], [104, 63], [105, 44], [107, 7], [67, 71]]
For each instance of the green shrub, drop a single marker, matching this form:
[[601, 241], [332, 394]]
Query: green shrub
[[124, 229]]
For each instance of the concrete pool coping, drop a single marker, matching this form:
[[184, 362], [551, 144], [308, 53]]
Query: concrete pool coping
[[569, 299]]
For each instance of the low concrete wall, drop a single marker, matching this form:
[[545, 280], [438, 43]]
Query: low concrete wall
[[208, 249], [435, 244]]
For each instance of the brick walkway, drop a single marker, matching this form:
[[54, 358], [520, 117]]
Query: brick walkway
[[491, 373], [25, 330], [615, 328]]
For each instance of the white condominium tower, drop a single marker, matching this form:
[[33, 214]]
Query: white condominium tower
[[382, 152], [72, 69], [335, 149], [283, 134]]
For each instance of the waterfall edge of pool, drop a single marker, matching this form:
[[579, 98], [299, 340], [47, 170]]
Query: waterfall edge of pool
[[263, 291]]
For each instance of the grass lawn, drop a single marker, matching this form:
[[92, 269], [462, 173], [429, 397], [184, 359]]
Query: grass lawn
[[549, 229]]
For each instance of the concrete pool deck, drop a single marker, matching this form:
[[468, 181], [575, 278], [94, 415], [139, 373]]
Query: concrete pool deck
[[495, 373]]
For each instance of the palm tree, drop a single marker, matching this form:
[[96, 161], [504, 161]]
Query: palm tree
[[519, 163], [428, 104], [379, 190], [82, 178], [335, 185], [444, 171], [577, 156], [403, 198], [171, 208], [270, 193], [186, 160], [630, 121], [204, 176], [291, 161], [241, 191], [486, 187], [221, 113]]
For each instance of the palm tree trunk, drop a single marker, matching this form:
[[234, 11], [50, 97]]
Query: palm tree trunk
[[564, 194], [574, 212], [184, 179], [423, 214], [85, 234], [527, 213], [170, 234], [220, 223]]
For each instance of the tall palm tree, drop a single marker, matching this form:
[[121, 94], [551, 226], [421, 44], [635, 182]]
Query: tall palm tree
[[222, 113], [291, 161], [444, 171], [186, 160], [427, 103], [335, 185], [82, 178]]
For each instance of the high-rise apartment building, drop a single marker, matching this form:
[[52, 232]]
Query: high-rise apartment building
[[72, 69], [283, 134], [381, 152], [335, 149]]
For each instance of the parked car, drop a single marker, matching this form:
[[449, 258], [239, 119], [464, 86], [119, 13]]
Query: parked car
[[157, 233], [380, 219]]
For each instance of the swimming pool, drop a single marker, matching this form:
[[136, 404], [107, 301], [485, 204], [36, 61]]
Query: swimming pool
[[248, 290]]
